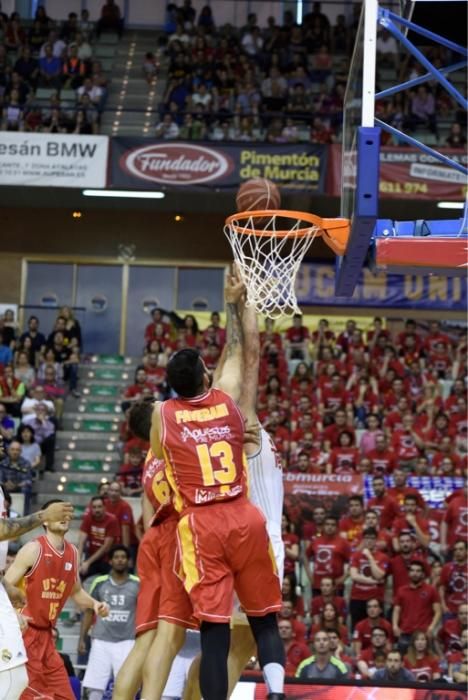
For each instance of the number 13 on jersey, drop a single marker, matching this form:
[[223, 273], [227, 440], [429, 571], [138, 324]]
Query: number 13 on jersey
[[222, 451]]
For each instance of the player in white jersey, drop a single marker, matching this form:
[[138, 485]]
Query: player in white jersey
[[267, 491], [13, 675]]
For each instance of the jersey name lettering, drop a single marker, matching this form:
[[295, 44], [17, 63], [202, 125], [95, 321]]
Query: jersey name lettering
[[202, 415]]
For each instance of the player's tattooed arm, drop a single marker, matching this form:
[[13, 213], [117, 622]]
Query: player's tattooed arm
[[230, 379], [11, 528], [233, 329]]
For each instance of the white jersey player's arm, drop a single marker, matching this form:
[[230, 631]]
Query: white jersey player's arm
[[251, 357], [230, 377], [11, 528]]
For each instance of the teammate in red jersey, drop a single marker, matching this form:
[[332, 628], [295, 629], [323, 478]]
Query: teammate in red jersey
[[49, 566], [162, 600], [222, 536]]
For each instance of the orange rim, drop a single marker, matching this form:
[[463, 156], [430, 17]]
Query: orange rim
[[335, 232]]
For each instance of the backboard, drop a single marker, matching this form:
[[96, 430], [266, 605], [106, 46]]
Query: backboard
[[390, 244]]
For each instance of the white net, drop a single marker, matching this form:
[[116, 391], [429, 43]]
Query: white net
[[269, 263]]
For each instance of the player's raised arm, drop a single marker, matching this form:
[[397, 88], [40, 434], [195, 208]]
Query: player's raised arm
[[11, 528], [230, 377], [251, 362]]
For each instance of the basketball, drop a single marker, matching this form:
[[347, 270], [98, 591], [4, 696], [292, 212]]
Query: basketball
[[258, 194]]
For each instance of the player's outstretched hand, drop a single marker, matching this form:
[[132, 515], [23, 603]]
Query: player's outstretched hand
[[58, 512], [234, 288], [16, 595], [101, 609]]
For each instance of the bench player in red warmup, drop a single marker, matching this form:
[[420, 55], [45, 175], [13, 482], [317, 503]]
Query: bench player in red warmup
[[49, 567], [222, 537]]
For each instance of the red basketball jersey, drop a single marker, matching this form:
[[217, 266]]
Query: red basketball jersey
[[50, 582], [202, 439], [156, 488]]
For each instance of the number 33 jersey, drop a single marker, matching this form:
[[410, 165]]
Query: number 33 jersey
[[50, 582], [202, 439]]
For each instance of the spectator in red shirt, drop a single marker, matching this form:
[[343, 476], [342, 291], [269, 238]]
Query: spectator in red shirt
[[377, 331], [155, 371], [287, 613], [416, 607], [373, 657], [297, 337], [288, 590], [400, 490], [344, 338], [351, 524], [138, 390], [333, 398], [323, 336], [436, 336], [295, 651], [455, 523], [450, 634], [279, 433], [218, 330], [291, 545], [384, 504], [394, 419], [129, 474], [327, 595], [384, 538], [400, 562], [407, 442], [362, 635], [331, 433], [419, 659], [122, 510], [456, 392], [328, 620], [98, 532], [344, 457], [383, 459], [413, 523], [330, 554], [454, 579], [157, 329], [314, 527], [368, 570], [446, 449]]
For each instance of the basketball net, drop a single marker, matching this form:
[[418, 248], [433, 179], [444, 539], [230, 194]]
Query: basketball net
[[268, 258]]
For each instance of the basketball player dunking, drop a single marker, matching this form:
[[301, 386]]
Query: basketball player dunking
[[49, 567], [201, 436], [265, 491], [13, 675]]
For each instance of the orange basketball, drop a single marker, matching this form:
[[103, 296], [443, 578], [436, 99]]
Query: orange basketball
[[257, 194]]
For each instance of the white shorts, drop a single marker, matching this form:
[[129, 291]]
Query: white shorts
[[13, 682], [12, 651], [105, 661], [180, 668]]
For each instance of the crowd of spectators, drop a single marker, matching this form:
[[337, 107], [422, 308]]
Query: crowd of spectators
[[36, 373], [56, 58], [387, 579], [284, 84], [378, 591]]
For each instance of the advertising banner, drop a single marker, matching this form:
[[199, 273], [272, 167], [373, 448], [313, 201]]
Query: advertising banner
[[434, 489], [142, 163], [258, 691], [407, 173], [53, 160], [315, 286], [303, 492]]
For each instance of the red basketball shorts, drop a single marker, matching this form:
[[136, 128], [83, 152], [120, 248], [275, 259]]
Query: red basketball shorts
[[48, 679], [225, 547], [162, 595]]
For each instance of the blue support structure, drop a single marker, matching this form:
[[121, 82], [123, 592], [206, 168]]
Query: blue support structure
[[365, 210], [367, 231]]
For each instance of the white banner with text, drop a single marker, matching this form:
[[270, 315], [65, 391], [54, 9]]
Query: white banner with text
[[57, 160]]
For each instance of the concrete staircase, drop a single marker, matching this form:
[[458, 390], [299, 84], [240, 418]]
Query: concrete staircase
[[131, 108], [88, 451]]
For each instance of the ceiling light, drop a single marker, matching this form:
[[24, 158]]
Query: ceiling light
[[451, 205], [122, 194]]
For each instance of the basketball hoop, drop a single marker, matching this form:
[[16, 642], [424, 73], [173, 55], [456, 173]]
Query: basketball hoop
[[269, 247]]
